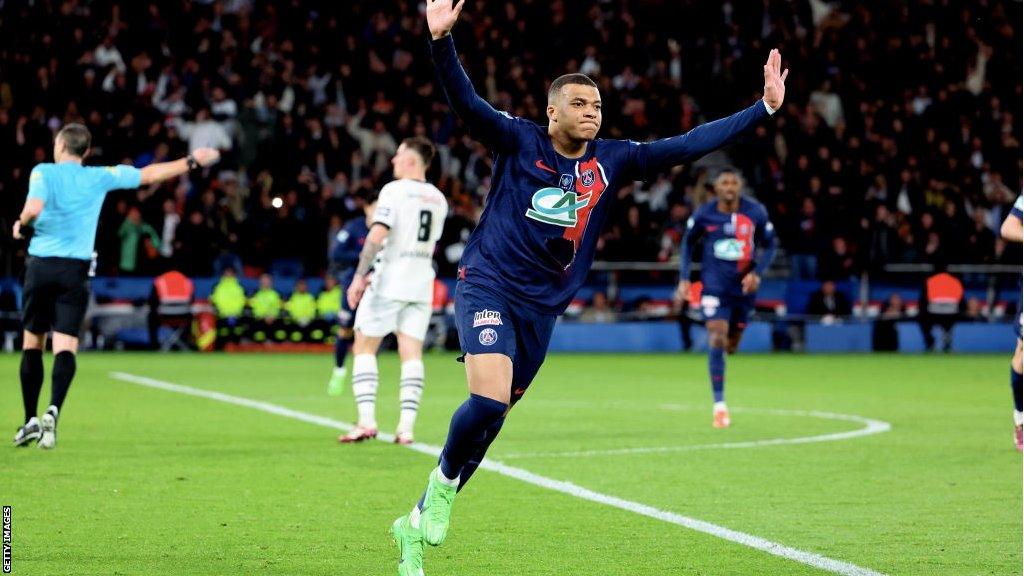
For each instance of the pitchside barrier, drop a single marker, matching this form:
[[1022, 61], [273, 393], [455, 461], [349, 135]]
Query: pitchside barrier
[[642, 316]]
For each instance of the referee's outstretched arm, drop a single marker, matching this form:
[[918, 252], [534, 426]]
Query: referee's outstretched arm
[[165, 170], [152, 174]]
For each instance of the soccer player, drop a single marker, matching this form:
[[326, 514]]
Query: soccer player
[[733, 228], [60, 214], [406, 226], [1013, 230], [351, 240], [552, 188]]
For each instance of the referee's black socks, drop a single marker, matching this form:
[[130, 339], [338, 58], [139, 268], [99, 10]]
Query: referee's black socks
[[63, 373], [31, 380]]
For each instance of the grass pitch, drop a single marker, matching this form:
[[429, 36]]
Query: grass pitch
[[147, 481]]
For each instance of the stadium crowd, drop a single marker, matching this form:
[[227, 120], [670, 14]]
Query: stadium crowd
[[900, 141]]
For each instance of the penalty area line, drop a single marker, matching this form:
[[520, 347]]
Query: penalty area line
[[774, 548]]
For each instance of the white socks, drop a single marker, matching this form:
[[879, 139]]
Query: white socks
[[409, 393], [364, 387], [1018, 418]]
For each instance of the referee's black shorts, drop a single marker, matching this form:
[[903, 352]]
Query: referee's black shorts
[[56, 294]]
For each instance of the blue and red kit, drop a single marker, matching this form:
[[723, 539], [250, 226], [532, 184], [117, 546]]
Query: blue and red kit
[[538, 233], [731, 241]]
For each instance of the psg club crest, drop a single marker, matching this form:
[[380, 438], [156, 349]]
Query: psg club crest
[[587, 178], [488, 336]]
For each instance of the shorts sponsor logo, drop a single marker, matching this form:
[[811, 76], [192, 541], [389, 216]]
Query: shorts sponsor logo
[[488, 336], [486, 318]]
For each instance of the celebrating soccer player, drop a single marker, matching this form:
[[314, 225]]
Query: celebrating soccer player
[[1013, 230], [733, 227], [552, 188], [63, 207]]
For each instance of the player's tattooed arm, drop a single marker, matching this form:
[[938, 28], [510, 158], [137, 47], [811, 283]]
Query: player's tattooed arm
[[373, 245], [367, 256]]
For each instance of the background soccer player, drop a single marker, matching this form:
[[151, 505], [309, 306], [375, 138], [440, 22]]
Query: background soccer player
[[552, 188], [63, 207], [351, 239], [1013, 230], [733, 227], [410, 217]]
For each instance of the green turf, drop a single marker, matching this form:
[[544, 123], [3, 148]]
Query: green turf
[[152, 482]]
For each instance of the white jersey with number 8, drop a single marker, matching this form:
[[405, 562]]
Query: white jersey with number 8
[[414, 211]]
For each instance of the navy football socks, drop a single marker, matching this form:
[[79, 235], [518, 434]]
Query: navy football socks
[[478, 456], [467, 433], [1015, 383], [716, 368], [341, 346]]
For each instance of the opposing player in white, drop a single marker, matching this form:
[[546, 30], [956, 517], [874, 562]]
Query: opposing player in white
[[399, 248]]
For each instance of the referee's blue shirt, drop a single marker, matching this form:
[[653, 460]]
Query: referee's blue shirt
[[72, 197]]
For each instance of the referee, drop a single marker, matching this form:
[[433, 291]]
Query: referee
[[60, 216]]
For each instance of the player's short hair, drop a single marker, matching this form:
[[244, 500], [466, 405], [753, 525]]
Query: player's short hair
[[422, 146], [729, 170], [566, 79], [77, 139]]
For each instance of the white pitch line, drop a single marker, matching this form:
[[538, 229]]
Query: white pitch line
[[870, 426], [749, 540]]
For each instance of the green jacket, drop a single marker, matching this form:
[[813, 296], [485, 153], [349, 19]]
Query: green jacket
[[266, 304], [228, 298], [301, 307], [328, 303], [131, 234]]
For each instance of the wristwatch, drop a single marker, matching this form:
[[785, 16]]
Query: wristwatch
[[190, 160]]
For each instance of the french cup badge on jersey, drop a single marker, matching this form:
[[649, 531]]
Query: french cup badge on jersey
[[565, 182], [488, 336], [486, 318]]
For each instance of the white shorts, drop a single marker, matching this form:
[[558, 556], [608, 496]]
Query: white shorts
[[378, 316]]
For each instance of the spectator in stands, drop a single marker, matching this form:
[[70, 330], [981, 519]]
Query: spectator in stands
[[137, 235], [884, 336], [829, 303], [838, 262], [301, 312], [599, 310], [247, 78], [974, 310], [941, 298], [266, 312], [228, 299]]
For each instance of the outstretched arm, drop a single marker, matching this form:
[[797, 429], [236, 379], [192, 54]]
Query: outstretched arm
[[155, 173], [486, 123], [661, 154]]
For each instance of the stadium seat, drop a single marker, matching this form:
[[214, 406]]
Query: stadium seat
[[173, 293]]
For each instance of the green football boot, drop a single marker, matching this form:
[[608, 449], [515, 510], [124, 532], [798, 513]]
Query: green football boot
[[336, 385], [437, 509], [410, 547]]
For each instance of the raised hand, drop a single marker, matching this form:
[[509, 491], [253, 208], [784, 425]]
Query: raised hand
[[774, 80], [206, 156], [441, 16]]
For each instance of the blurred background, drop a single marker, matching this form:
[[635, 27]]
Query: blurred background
[[887, 174]]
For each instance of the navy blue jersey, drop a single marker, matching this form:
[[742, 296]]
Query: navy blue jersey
[[350, 244], [731, 240], [538, 233]]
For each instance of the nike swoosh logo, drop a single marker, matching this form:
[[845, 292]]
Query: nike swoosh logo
[[519, 391], [712, 228], [540, 164]]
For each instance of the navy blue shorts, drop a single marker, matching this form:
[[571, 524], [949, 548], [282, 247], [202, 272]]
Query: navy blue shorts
[[736, 310], [490, 323]]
